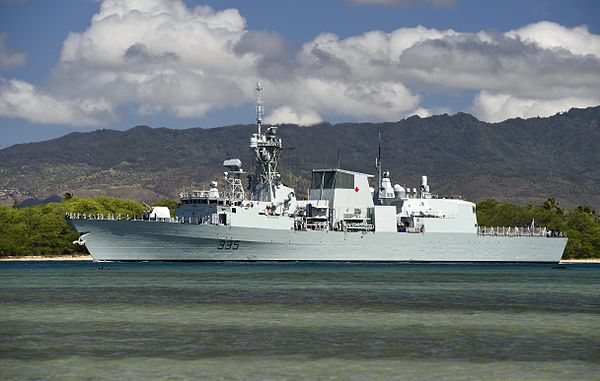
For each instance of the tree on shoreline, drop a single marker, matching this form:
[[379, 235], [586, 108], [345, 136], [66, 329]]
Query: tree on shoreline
[[580, 224], [43, 230]]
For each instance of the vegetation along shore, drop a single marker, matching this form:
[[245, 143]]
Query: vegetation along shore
[[43, 232]]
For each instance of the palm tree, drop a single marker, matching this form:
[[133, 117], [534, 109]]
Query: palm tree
[[552, 205], [588, 210]]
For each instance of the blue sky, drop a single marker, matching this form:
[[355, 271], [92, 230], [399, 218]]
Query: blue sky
[[337, 60]]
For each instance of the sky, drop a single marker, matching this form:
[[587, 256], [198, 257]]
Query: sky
[[82, 65]]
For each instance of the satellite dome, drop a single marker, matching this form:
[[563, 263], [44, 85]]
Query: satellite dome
[[399, 191]]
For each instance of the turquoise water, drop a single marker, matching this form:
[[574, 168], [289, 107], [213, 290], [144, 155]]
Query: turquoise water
[[72, 320]]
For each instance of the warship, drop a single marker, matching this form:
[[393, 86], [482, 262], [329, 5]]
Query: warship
[[343, 218]]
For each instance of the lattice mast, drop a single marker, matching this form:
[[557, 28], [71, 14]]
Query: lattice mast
[[267, 149]]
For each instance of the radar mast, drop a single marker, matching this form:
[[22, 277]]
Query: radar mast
[[267, 149]]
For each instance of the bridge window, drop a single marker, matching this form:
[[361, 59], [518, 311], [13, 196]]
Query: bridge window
[[332, 180]]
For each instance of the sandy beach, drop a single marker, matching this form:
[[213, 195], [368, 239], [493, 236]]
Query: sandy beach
[[589, 260], [42, 258], [89, 258]]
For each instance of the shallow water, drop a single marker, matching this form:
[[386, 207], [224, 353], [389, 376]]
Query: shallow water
[[71, 320]]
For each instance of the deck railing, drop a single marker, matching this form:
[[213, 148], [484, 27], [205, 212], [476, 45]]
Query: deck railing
[[516, 231]]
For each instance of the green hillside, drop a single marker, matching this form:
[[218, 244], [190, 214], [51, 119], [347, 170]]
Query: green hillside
[[517, 161]]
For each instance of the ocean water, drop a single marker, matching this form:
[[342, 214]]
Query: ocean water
[[257, 321]]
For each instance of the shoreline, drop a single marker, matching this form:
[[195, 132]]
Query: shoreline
[[573, 261], [43, 258], [89, 258]]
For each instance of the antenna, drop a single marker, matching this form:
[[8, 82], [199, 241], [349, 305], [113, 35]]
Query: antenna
[[260, 109], [379, 165]]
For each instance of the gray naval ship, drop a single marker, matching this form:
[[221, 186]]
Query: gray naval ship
[[343, 219]]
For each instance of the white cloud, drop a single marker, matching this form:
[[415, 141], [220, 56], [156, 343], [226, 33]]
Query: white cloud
[[19, 99], [537, 78], [425, 112], [372, 55], [498, 107], [368, 100], [8, 58], [161, 56], [285, 114], [365, 101], [549, 35]]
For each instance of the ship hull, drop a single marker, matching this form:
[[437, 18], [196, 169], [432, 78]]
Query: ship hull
[[110, 240]]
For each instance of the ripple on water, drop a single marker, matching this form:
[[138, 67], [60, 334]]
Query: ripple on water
[[256, 321]]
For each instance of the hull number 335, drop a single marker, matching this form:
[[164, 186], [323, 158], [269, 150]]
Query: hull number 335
[[226, 244]]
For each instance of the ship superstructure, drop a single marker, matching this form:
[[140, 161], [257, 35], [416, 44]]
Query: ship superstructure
[[343, 218]]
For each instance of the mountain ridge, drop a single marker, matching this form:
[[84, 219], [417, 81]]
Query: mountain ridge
[[517, 160]]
